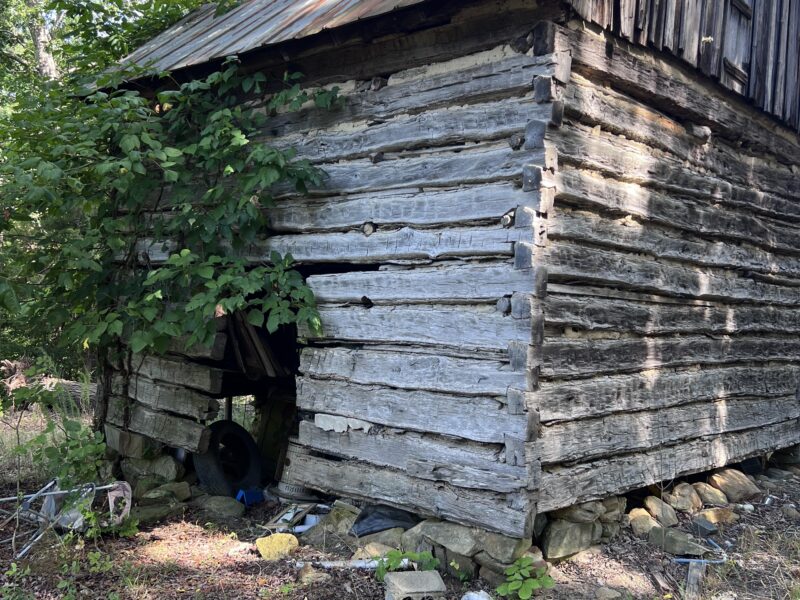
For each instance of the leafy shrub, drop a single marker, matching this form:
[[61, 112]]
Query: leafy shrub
[[523, 579]]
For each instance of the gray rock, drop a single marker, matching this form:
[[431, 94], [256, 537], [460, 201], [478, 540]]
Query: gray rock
[[605, 593], [481, 595], [710, 495], [503, 548], [179, 491], [223, 507], [734, 484], [661, 511], [165, 468], [586, 512], [779, 474], [702, 527], [493, 578], [154, 513], [683, 497], [610, 531], [390, 537], [641, 522], [460, 566], [718, 515], [565, 538], [413, 540], [675, 542], [790, 512], [456, 538], [614, 509], [414, 585]]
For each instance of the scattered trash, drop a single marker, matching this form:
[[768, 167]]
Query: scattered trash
[[376, 517], [56, 513]]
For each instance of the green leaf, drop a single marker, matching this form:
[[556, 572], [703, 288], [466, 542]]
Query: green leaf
[[129, 142], [255, 318]]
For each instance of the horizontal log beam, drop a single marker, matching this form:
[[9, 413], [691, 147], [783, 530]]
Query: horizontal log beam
[[509, 514], [412, 370], [657, 390], [629, 432], [426, 457], [598, 479], [479, 419]]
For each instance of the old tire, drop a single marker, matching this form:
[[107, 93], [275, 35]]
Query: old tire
[[232, 462]]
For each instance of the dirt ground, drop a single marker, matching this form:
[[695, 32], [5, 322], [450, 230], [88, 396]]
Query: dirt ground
[[189, 557]]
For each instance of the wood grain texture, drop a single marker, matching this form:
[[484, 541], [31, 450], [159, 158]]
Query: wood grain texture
[[481, 419], [171, 430], [565, 486], [681, 242], [429, 457], [585, 188], [679, 91], [568, 262], [624, 315], [655, 390], [506, 513], [591, 357], [170, 398], [465, 327], [446, 281], [410, 207], [182, 373], [435, 372], [639, 431]]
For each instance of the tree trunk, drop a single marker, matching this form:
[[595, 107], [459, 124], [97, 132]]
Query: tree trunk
[[40, 36]]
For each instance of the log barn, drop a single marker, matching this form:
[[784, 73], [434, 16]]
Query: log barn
[[556, 251]]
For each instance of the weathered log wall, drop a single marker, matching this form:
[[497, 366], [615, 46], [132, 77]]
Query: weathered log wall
[[430, 211], [672, 259]]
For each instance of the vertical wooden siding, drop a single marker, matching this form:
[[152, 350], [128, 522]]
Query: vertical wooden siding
[[750, 46]]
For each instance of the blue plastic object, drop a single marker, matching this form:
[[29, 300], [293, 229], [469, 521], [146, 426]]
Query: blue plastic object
[[250, 497]]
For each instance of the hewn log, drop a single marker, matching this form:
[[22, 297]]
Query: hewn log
[[446, 281], [434, 458], [584, 188], [587, 357], [442, 167], [408, 370], [626, 160], [633, 431], [564, 486], [172, 398], [509, 514], [475, 78], [568, 262], [412, 207], [623, 115], [438, 127], [375, 247], [482, 419], [656, 390], [625, 315], [182, 373], [678, 91], [129, 444], [396, 244], [646, 237], [171, 430], [464, 326]]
